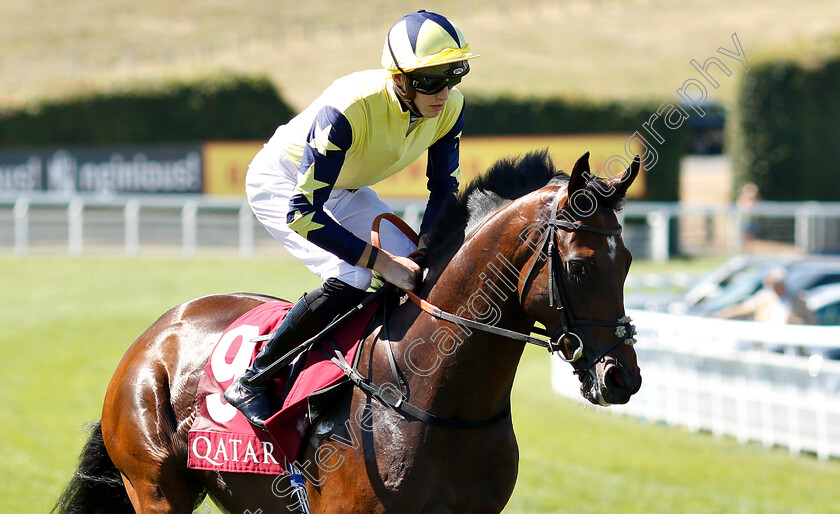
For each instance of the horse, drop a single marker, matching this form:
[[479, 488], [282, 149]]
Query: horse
[[521, 244]]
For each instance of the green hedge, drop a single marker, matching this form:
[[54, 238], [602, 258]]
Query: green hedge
[[212, 109], [490, 116], [250, 108], [786, 136]]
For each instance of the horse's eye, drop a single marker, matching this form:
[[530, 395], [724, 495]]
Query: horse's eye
[[577, 268]]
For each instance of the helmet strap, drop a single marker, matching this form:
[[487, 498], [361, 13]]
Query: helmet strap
[[406, 95]]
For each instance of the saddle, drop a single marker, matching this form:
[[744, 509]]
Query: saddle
[[221, 438]]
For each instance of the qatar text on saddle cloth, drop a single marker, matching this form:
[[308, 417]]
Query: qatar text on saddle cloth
[[221, 438]]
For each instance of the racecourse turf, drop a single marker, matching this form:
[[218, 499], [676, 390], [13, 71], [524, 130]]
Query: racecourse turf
[[66, 323]]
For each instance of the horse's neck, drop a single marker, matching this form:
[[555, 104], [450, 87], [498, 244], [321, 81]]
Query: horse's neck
[[464, 372]]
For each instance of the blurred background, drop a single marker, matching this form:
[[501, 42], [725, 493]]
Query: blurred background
[[103, 101], [126, 129]]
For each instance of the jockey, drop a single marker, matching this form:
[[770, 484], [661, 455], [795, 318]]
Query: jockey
[[309, 185]]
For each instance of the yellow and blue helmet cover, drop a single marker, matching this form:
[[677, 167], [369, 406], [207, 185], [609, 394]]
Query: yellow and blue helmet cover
[[421, 40]]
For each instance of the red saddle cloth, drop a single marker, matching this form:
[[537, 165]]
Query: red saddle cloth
[[221, 438]]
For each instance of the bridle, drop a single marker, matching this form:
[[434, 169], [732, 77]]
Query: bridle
[[557, 297]]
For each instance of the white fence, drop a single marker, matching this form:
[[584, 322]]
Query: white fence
[[131, 225], [658, 229], [85, 224], [82, 225], [752, 381]]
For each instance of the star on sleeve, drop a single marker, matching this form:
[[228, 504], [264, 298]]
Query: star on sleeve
[[303, 224], [321, 142], [308, 184]]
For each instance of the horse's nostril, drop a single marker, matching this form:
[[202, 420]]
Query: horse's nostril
[[615, 378], [619, 379]]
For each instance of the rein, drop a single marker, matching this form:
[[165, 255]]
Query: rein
[[558, 299], [393, 396]]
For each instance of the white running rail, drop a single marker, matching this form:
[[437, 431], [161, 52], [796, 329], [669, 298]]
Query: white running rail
[[752, 381]]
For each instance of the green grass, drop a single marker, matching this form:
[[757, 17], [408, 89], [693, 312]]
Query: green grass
[[579, 459], [65, 324], [580, 48], [678, 265]]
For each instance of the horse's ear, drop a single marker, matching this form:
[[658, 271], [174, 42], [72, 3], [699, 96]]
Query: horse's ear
[[580, 173], [622, 183]]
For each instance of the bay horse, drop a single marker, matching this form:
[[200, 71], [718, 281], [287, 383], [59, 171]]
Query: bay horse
[[521, 244]]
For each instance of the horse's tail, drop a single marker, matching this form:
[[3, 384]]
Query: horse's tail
[[97, 486]]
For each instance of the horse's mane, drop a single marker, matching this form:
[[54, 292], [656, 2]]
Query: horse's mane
[[506, 180]]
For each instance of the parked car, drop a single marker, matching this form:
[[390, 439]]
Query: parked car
[[742, 276], [824, 302]]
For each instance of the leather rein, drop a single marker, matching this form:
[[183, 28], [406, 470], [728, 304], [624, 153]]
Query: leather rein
[[558, 299]]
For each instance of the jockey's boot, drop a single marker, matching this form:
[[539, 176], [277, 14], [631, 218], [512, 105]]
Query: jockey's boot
[[309, 314], [253, 401]]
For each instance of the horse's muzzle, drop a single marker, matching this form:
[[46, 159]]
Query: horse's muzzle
[[610, 383]]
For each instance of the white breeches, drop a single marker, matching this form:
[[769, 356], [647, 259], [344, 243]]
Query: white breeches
[[269, 189]]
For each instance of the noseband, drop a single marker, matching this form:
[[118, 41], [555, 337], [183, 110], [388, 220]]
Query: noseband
[[558, 298]]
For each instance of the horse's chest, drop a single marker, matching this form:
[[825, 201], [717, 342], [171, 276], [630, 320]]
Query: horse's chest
[[442, 470], [375, 460]]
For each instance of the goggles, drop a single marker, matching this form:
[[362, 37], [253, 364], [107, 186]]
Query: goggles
[[427, 85], [441, 76]]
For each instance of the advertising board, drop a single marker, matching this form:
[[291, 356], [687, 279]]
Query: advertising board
[[225, 163]]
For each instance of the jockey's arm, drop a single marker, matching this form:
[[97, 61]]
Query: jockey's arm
[[323, 158], [443, 171]]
